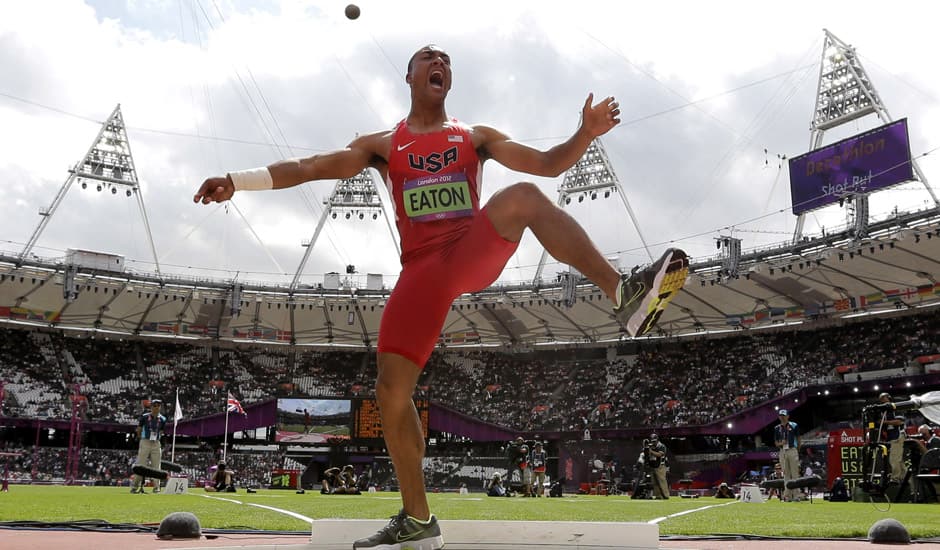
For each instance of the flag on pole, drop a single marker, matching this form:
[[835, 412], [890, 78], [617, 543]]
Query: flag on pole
[[178, 411], [234, 405], [177, 414]]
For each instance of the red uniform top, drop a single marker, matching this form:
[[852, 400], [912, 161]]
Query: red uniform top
[[434, 181]]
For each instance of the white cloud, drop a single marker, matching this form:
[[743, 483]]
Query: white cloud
[[524, 67]]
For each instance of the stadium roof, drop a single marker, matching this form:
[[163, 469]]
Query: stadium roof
[[834, 276]]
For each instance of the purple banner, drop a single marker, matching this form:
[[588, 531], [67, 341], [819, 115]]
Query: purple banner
[[860, 164], [447, 420]]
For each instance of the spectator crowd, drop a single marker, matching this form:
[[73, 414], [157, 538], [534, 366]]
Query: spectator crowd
[[670, 382]]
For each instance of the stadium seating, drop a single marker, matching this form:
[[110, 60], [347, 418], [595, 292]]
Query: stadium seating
[[653, 383]]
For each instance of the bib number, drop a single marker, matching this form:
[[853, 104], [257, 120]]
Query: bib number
[[437, 197]]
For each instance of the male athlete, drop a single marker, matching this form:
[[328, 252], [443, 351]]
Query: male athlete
[[432, 165]]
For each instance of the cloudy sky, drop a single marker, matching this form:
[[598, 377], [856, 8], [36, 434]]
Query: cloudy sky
[[711, 94]]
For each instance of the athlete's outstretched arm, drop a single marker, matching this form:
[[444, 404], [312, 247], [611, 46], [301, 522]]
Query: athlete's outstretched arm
[[596, 120], [364, 151]]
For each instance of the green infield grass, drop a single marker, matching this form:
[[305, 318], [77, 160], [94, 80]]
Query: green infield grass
[[339, 429], [819, 519]]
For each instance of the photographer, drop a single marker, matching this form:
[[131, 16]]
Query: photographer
[[517, 453], [839, 492], [494, 487], [222, 481], [557, 487], [921, 442], [349, 480], [724, 491], [654, 457], [931, 440], [332, 482], [776, 474], [365, 480], [538, 459]]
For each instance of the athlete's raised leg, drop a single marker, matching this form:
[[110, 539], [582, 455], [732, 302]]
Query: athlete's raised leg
[[639, 300], [523, 205]]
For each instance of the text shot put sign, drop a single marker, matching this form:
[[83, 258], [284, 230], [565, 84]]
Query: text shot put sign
[[844, 456], [860, 164]]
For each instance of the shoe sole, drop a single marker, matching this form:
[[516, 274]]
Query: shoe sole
[[430, 543], [668, 281]]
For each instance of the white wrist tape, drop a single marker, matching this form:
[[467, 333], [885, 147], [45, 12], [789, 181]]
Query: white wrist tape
[[256, 179]]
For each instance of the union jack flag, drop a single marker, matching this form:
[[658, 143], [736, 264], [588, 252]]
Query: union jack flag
[[234, 405]]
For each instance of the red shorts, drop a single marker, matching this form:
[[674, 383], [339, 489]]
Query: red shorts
[[415, 312]]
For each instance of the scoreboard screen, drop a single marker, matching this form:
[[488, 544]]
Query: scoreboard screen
[[312, 421], [325, 421], [367, 423]]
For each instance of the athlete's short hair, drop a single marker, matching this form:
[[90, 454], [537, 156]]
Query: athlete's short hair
[[421, 49]]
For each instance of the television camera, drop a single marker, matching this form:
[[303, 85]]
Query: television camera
[[875, 454]]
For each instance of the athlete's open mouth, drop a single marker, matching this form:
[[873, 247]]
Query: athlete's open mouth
[[437, 79]]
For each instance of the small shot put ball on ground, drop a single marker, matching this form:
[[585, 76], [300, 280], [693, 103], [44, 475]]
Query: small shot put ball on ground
[[352, 11]]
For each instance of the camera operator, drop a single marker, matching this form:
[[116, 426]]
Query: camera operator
[[654, 457], [787, 439], [642, 482], [894, 435], [517, 453]]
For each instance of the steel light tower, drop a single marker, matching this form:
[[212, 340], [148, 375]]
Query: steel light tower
[[843, 94], [354, 197], [108, 164], [592, 174]]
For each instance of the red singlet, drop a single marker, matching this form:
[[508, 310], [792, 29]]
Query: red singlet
[[449, 246]]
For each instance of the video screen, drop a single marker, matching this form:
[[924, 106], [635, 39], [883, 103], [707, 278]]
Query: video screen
[[312, 421]]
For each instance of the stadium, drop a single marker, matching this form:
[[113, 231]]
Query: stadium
[[814, 306]]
